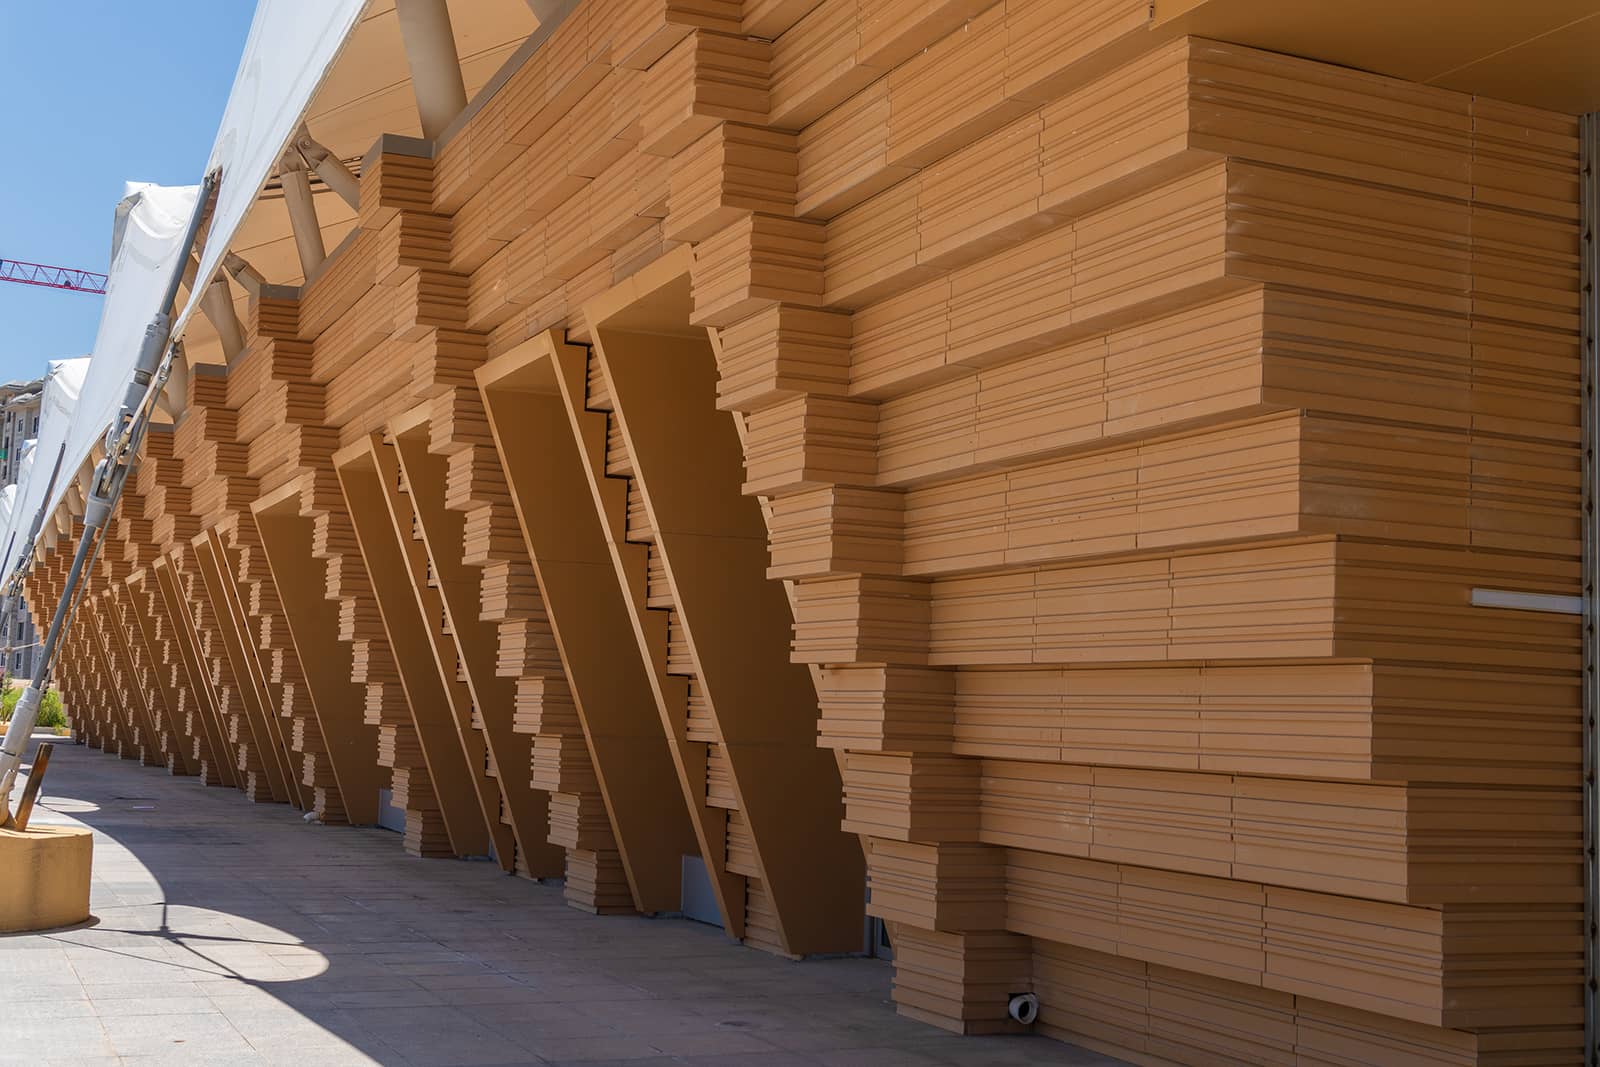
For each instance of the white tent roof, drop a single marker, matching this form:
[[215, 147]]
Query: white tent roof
[[290, 51], [8, 500], [147, 248], [292, 44], [58, 407]]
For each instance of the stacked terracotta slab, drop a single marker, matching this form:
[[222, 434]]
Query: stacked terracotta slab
[[1134, 452], [509, 597], [1128, 421]]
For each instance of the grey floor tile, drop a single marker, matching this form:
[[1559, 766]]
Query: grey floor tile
[[723, 1043], [38, 1039], [150, 1007], [230, 932], [605, 1049], [195, 1034], [741, 1059]]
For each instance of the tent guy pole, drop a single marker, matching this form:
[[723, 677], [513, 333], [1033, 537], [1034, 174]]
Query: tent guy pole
[[123, 439], [11, 589]]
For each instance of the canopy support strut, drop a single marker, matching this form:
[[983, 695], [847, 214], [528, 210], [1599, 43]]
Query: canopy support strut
[[302, 212], [435, 71], [329, 167], [217, 306]]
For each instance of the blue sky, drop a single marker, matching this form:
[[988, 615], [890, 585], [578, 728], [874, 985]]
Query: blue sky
[[98, 92]]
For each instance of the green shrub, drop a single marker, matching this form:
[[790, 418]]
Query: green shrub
[[51, 714]]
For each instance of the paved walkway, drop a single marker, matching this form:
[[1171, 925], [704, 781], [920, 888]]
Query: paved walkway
[[231, 933]]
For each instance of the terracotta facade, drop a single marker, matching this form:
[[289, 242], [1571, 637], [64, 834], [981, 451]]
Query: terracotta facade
[[999, 454]]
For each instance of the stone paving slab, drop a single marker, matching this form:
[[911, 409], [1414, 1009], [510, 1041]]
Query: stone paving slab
[[226, 932]]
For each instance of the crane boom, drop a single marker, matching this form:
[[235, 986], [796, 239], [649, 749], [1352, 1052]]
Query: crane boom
[[42, 274]]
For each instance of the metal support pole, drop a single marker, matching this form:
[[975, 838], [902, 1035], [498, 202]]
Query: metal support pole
[[13, 587], [435, 71], [1589, 197], [11, 592], [26, 714], [122, 442]]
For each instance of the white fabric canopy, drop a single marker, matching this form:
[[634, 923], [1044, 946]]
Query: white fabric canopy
[[58, 429], [148, 234], [25, 460], [8, 499], [152, 222], [292, 44]]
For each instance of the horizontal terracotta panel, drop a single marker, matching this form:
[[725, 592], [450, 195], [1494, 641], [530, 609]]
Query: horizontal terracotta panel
[[1426, 845]]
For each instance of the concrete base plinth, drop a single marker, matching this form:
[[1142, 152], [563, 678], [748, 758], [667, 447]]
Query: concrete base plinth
[[44, 877]]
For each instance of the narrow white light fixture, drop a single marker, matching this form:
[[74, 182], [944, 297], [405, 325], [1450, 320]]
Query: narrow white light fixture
[[1519, 601]]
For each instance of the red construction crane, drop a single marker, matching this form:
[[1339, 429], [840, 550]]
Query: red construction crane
[[41, 274]]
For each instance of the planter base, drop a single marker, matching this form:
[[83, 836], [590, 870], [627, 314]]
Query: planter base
[[44, 877]]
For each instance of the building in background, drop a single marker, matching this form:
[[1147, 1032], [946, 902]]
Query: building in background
[[19, 403]]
